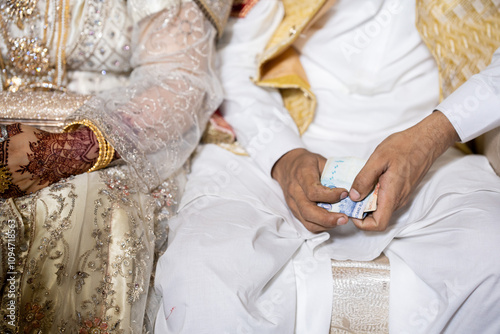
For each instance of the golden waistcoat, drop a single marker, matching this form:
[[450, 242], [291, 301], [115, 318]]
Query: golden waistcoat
[[461, 35]]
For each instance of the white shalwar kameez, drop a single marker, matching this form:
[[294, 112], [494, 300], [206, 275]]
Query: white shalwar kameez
[[239, 262]]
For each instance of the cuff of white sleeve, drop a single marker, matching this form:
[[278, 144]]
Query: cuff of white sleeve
[[469, 109], [269, 146]]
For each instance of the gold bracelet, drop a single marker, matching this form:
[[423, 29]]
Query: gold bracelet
[[106, 151], [5, 179], [110, 153]]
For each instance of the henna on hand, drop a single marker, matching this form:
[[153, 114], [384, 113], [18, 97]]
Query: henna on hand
[[12, 190], [56, 156], [13, 129], [32, 159]]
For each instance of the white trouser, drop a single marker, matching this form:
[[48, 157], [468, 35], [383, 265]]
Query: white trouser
[[235, 249]]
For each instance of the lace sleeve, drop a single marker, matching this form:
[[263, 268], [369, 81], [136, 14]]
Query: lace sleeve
[[156, 122]]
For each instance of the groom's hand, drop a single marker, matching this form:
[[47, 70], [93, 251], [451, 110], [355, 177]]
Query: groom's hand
[[398, 164], [299, 173]]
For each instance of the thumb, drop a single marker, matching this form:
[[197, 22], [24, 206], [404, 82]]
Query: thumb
[[366, 180], [321, 163]]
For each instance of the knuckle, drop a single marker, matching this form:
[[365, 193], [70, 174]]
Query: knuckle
[[377, 226], [295, 212], [307, 213], [294, 189], [314, 228], [299, 177], [302, 170], [402, 202], [309, 226], [312, 192], [361, 180]]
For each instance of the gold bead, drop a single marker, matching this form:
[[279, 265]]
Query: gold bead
[[5, 179]]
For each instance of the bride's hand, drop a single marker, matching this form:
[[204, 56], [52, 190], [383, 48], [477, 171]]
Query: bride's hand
[[35, 159]]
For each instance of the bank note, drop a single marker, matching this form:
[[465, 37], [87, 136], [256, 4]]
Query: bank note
[[340, 173]]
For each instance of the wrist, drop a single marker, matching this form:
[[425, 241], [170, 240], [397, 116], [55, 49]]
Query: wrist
[[88, 138], [291, 155], [447, 129], [439, 133], [105, 151]]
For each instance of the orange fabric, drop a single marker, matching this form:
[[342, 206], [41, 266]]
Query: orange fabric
[[242, 7], [285, 64]]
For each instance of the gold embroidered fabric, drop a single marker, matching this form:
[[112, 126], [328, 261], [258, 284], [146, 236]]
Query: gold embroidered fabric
[[298, 15], [461, 35], [46, 110], [156, 121], [279, 66], [360, 296], [34, 35], [78, 256], [286, 73], [110, 46]]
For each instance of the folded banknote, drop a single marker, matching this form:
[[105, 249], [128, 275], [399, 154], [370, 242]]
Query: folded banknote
[[340, 173]]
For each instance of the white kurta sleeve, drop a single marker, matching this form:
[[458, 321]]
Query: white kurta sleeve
[[262, 124], [157, 120], [474, 108]]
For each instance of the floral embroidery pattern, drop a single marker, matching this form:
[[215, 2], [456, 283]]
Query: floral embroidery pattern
[[113, 258], [32, 317], [96, 326]]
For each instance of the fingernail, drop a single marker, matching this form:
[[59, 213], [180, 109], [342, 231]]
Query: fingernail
[[341, 221], [343, 195], [354, 195]]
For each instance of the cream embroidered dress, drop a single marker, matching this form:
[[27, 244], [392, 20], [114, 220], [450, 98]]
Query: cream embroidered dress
[[77, 256]]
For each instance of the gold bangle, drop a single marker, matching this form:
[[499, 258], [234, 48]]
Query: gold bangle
[[106, 151], [110, 153], [5, 179]]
